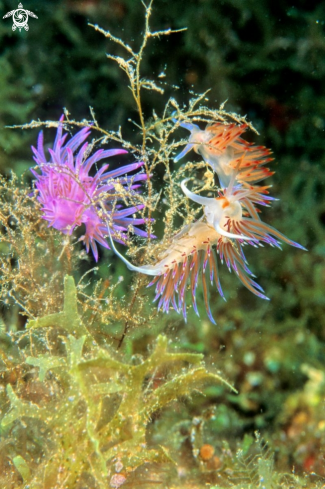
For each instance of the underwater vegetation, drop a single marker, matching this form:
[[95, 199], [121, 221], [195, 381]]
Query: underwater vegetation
[[83, 433], [104, 383]]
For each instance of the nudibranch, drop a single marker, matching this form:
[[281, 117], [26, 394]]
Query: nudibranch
[[191, 254], [72, 194], [224, 231], [225, 151]]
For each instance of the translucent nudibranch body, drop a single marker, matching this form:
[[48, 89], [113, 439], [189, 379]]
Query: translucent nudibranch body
[[223, 149], [191, 254]]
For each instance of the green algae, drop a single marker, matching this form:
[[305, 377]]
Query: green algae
[[82, 438]]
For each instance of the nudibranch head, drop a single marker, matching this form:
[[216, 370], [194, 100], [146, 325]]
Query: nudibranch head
[[196, 139], [218, 211]]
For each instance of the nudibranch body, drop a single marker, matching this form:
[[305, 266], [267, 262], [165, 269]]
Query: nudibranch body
[[191, 254], [192, 251], [71, 194], [222, 148]]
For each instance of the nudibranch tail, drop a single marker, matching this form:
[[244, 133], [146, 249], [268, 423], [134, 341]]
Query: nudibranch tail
[[146, 270]]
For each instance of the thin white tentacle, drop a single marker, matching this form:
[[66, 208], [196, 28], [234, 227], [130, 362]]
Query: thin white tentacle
[[221, 231], [187, 148], [196, 198], [146, 271]]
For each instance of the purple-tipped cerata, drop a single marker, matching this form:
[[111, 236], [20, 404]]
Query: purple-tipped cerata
[[70, 196]]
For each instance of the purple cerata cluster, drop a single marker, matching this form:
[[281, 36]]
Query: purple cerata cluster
[[71, 194]]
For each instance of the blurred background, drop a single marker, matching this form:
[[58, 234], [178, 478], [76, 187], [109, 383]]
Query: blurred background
[[266, 58]]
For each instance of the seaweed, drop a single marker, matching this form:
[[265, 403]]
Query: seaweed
[[92, 412]]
